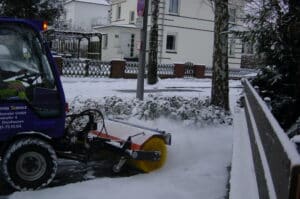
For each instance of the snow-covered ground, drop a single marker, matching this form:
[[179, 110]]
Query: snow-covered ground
[[98, 88], [198, 160]]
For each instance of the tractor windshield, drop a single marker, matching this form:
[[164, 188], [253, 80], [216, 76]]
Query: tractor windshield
[[21, 51], [25, 72]]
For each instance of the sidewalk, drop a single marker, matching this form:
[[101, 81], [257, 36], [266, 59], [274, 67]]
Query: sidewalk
[[242, 178]]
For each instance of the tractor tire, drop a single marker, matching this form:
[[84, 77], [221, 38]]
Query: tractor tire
[[29, 164], [153, 144]]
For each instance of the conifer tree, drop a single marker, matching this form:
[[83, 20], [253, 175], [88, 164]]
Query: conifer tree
[[32, 9], [274, 25]]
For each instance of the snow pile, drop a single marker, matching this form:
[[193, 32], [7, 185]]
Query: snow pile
[[191, 111]]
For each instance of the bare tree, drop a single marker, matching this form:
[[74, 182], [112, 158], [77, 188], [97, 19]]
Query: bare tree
[[152, 66], [220, 88]]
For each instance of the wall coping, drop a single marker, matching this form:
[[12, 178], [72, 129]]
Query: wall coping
[[288, 146]]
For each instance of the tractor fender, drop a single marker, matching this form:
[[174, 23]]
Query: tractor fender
[[29, 134]]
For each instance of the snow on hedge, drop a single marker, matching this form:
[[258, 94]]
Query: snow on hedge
[[194, 110]]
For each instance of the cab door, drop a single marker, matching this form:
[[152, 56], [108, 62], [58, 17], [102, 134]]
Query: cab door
[[31, 97]]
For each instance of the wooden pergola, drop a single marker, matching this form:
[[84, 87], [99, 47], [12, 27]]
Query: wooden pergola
[[74, 38]]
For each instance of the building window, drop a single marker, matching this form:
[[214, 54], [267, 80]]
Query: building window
[[248, 48], [104, 41], [232, 15], [232, 47], [174, 6], [131, 17], [132, 45], [171, 42], [118, 11], [116, 41]]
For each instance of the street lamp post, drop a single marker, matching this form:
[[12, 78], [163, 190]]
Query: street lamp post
[[142, 12]]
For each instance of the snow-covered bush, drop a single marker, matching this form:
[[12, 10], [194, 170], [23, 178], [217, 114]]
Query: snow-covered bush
[[194, 111]]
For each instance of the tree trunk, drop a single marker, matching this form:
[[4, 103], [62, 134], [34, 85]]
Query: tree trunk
[[152, 66], [220, 88]]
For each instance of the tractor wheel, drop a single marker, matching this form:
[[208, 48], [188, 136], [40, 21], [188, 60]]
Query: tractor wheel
[[29, 164], [153, 144]]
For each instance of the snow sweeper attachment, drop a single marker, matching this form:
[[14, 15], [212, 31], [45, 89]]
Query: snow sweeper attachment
[[141, 147]]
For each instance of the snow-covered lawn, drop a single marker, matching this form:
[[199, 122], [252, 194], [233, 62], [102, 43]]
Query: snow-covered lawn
[[198, 160]]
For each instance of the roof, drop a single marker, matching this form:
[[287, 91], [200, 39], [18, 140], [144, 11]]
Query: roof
[[71, 34], [117, 25], [101, 2]]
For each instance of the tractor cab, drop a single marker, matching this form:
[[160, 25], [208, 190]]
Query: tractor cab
[[31, 96]]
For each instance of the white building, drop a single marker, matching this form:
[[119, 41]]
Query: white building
[[120, 42], [82, 15], [121, 38], [186, 32]]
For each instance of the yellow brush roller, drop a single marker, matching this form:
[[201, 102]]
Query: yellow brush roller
[[152, 144]]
